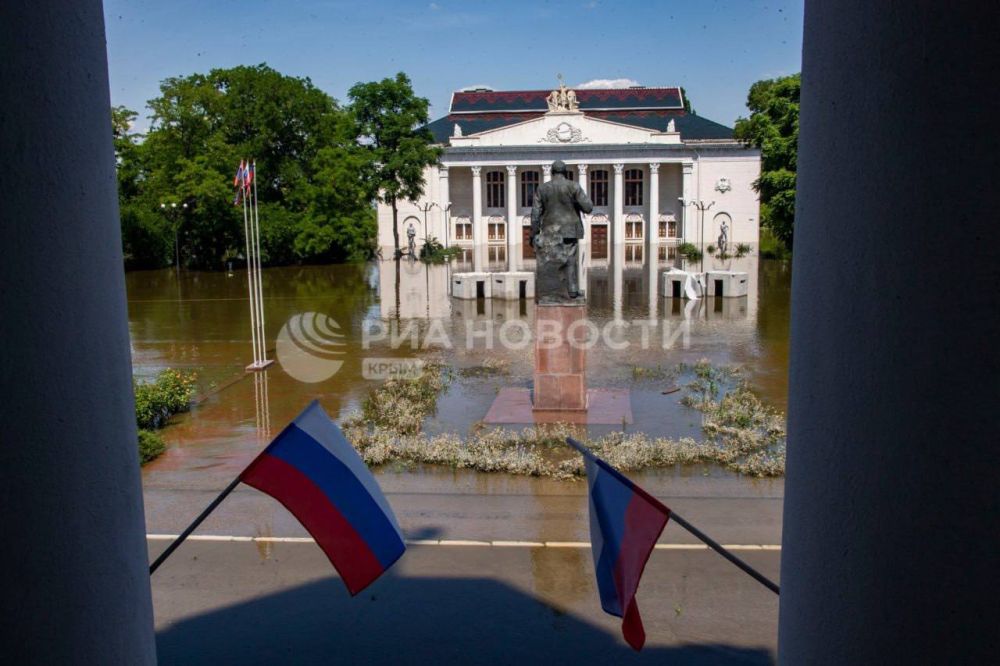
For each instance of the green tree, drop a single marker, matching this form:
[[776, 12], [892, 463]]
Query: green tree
[[773, 127], [309, 169], [390, 124]]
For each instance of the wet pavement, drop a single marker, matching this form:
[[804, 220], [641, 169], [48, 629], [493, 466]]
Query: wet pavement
[[252, 603]]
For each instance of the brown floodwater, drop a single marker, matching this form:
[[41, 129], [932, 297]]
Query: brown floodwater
[[199, 321]]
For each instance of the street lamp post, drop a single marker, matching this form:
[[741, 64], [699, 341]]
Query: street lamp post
[[701, 207], [170, 210], [447, 220]]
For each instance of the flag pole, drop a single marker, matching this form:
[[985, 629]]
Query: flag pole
[[698, 534], [714, 545], [191, 528], [260, 296], [253, 316]]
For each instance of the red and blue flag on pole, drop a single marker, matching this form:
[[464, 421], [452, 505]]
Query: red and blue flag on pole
[[318, 476], [239, 181], [625, 522]]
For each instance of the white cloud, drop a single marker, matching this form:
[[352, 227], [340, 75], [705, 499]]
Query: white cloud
[[434, 6], [608, 83], [591, 5]]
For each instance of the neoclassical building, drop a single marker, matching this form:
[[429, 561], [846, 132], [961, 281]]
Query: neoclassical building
[[646, 163]]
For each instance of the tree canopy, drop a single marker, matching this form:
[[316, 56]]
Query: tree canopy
[[390, 123], [773, 126], [311, 172]]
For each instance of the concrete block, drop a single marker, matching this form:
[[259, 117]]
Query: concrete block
[[726, 284], [673, 284], [513, 285], [470, 286]]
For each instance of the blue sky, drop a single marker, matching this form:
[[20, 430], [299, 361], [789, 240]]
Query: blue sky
[[715, 49]]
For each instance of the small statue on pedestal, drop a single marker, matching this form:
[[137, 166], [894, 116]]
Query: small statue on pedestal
[[556, 229]]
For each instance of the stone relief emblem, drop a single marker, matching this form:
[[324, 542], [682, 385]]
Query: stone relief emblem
[[723, 185], [563, 133]]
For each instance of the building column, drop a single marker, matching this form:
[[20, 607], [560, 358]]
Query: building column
[[687, 215], [618, 219], [76, 569], [890, 509], [581, 170], [653, 225], [546, 173], [479, 235], [444, 203], [513, 224]]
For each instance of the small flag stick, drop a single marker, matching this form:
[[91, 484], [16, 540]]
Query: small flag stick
[[193, 526], [698, 534]]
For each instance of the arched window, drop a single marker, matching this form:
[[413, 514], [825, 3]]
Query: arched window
[[411, 220], [633, 187], [494, 189], [529, 183], [598, 180]]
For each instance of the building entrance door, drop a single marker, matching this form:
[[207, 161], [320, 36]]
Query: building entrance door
[[599, 241]]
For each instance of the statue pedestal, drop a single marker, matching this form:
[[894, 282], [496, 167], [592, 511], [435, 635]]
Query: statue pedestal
[[560, 362]]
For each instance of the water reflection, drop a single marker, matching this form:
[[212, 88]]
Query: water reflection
[[200, 321]]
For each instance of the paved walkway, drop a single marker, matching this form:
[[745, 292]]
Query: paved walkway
[[270, 601]]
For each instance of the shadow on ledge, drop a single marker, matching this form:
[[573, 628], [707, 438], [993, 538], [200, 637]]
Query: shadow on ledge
[[413, 621]]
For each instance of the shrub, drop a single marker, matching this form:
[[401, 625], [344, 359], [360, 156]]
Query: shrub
[[150, 446], [742, 249], [710, 248], [157, 401], [771, 247], [433, 252], [689, 250]]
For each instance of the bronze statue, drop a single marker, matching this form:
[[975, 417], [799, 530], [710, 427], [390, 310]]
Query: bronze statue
[[555, 233]]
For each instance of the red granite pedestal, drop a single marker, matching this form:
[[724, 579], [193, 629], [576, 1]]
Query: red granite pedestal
[[560, 378], [560, 358]]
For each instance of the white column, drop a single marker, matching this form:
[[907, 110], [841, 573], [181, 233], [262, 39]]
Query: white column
[[585, 250], [546, 173], [687, 212], [890, 504], [76, 573], [443, 201], [618, 221], [479, 235], [513, 224], [653, 224]]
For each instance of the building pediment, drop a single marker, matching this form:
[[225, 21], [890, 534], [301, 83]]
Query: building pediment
[[563, 128]]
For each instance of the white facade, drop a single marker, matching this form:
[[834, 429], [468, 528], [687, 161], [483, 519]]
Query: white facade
[[476, 196]]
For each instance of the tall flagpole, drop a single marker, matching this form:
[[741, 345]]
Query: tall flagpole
[[260, 360], [246, 231], [262, 336]]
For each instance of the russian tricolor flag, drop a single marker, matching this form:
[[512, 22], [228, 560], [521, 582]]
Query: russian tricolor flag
[[319, 477], [625, 522]]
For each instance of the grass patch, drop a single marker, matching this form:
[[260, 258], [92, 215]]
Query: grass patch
[[640, 372], [742, 434], [491, 367]]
